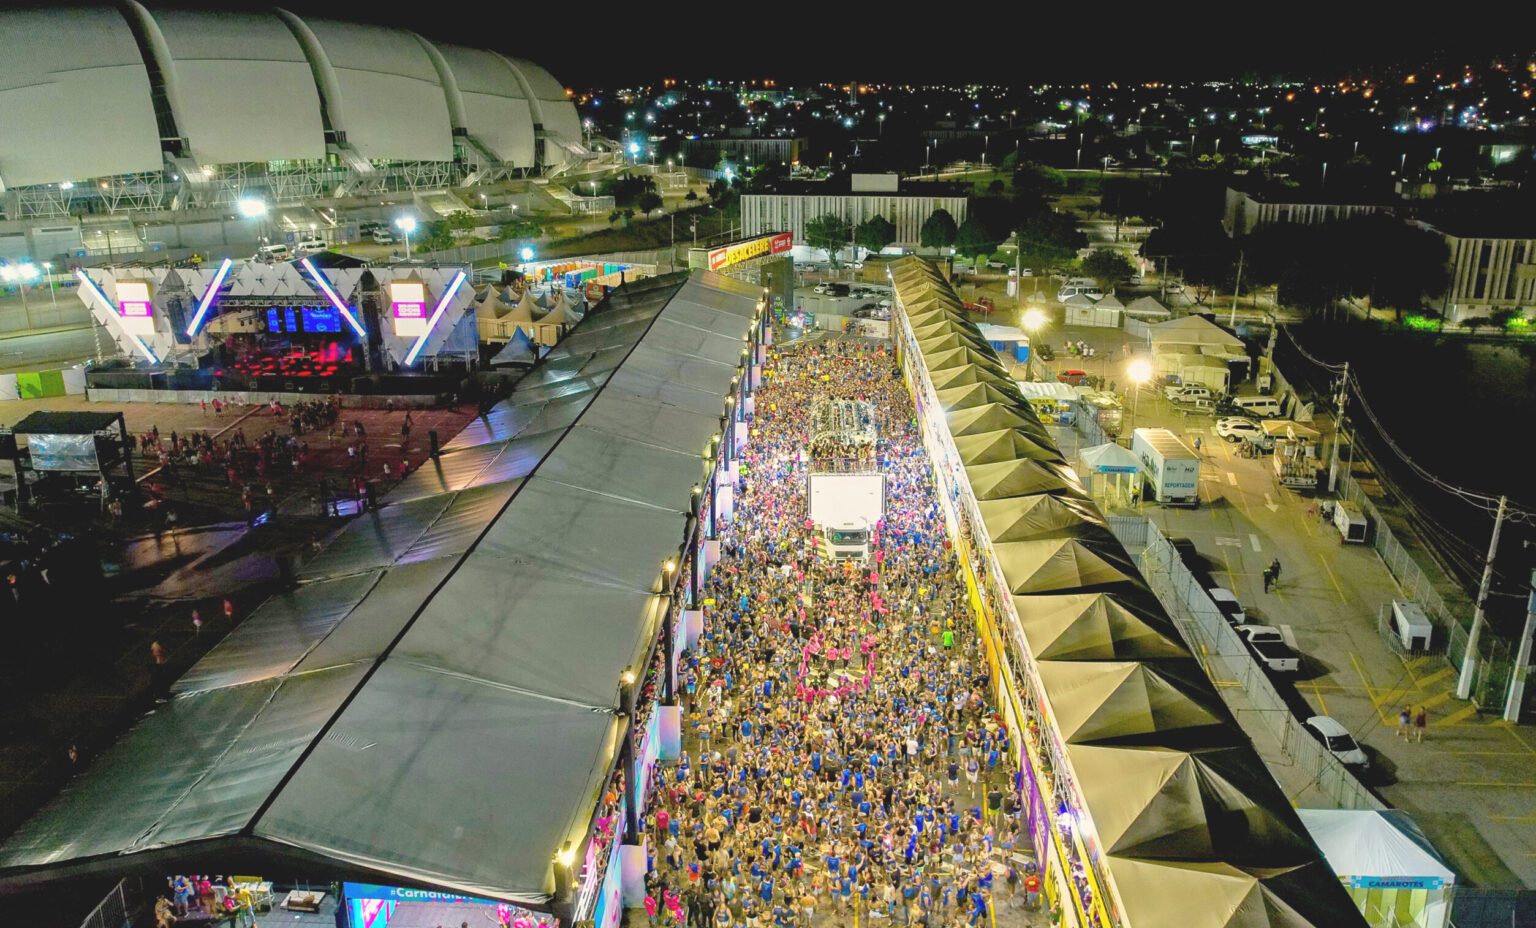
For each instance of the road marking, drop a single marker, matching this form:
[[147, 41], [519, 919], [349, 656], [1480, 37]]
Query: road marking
[[1229, 542], [1254, 540], [1369, 692], [1467, 711], [1231, 478], [1270, 504], [1321, 702], [1335, 580]]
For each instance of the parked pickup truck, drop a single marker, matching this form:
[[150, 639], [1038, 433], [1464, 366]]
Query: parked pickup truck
[[1275, 655]]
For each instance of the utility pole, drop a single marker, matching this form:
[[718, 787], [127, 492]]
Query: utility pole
[[1236, 286], [1516, 695], [1469, 660], [1338, 429]]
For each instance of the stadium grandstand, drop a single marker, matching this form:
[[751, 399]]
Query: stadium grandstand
[[120, 109]]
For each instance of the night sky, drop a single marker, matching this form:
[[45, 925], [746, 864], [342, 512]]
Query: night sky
[[595, 45]]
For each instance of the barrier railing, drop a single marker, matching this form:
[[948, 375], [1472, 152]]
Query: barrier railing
[[1229, 664]]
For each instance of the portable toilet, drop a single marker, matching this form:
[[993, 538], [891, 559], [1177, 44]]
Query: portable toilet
[[1350, 522], [1412, 625]]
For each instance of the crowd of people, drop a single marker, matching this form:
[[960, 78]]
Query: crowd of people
[[841, 757]]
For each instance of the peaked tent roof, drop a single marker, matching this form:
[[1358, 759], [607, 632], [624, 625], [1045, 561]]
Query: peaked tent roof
[[1172, 782], [1059, 565], [1193, 330], [1005, 445], [1370, 842], [1021, 478], [1147, 307], [1108, 455], [976, 394], [478, 621], [1096, 627], [1110, 301]]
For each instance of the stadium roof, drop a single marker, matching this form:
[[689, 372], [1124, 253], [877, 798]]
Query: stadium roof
[[91, 93], [436, 702], [1194, 829]]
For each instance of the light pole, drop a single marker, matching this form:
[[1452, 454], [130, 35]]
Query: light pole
[[881, 121], [406, 224], [1139, 370], [21, 275], [53, 289]]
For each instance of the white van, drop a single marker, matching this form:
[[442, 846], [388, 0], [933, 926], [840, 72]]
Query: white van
[[1068, 292], [313, 244], [1258, 407], [278, 252]]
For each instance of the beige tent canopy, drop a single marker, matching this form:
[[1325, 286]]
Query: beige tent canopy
[[989, 418], [1006, 445], [1021, 478], [1186, 805], [1147, 308], [1097, 627], [1063, 565], [1099, 701], [977, 394], [1196, 832], [1038, 515], [945, 341]]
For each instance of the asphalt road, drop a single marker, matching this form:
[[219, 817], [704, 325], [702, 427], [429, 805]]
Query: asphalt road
[[56, 349]]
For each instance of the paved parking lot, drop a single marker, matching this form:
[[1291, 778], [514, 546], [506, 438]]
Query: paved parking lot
[[1471, 783]]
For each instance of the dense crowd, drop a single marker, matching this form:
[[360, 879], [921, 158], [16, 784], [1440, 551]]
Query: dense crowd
[[841, 753]]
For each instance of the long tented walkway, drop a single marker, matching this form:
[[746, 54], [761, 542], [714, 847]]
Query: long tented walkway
[[844, 763]]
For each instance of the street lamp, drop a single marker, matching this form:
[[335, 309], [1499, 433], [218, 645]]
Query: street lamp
[[1139, 371], [406, 224], [53, 290], [881, 120], [21, 275]]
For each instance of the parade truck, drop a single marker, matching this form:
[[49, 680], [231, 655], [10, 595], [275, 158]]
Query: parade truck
[[1169, 470], [845, 489]]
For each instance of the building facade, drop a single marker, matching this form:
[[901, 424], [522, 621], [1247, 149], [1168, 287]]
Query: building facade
[[1246, 212], [743, 150], [1489, 274], [905, 207]]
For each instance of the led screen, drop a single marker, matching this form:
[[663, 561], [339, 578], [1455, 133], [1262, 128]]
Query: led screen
[[63, 452]]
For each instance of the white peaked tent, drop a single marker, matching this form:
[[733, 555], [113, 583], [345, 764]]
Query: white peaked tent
[[1147, 308], [519, 349], [1386, 863], [1109, 471], [531, 305]]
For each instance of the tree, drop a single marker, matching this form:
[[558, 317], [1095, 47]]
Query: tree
[[829, 231], [995, 188], [691, 196], [938, 230], [648, 201], [874, 233], [435, 236], [626, 189], [974, 241], [1122, 198], [1049, 238], [1108, 266]]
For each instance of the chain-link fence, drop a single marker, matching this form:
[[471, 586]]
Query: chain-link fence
[[1230, 665]]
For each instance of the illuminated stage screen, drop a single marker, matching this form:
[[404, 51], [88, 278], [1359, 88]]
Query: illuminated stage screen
[[64, 453], [303, 320]]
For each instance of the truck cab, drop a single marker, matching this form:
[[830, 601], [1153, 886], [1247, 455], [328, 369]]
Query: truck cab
[[847, 541]]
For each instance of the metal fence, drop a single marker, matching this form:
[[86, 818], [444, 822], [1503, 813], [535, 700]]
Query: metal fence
[[1231, 666], [119, 907], [1491, 682]]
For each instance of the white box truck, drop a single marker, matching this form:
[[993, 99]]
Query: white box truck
[[845, 508], [1170, 471]]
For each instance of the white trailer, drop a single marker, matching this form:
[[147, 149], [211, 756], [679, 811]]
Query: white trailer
[[845, 508], [1170, 471]]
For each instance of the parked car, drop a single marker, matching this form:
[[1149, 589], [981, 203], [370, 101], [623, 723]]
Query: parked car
[[312, 244], [871, 311], [1073, 377], [1044, 352], [997, 265], [1175, 287], [1026, 272], [1227, 604], [1194, 406], [1135, 280], [382, 236], [1188, 391], [1337, 739], [1252, 633], [822, 288], [1237, 428]]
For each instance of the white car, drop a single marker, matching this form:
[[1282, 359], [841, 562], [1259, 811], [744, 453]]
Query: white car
[[1237, 428], [313, 244], [1227, 604], [1175, 287], [1135, 280], [822, 288], [1188, 391], [1337, 739], [1252, 633]]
